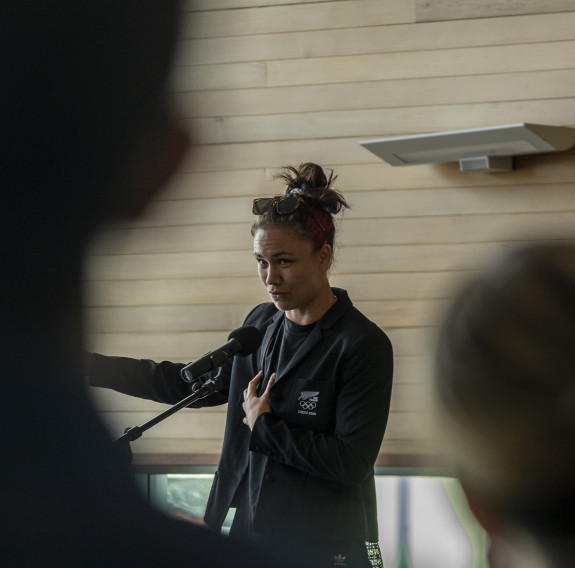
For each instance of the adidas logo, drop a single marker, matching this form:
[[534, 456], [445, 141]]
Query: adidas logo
[[339, 560]]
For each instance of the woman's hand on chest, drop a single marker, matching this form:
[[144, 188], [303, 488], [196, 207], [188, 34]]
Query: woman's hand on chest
[[253, 404]]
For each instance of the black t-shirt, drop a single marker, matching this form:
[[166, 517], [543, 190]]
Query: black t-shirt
[[289, 338]]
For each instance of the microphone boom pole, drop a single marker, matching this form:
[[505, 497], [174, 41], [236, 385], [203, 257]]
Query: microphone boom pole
[[242, 341], [135, 432]]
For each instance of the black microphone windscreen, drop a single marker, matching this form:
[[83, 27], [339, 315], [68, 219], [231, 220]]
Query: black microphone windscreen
[[250, 338]]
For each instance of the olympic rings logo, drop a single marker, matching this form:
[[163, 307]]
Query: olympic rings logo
[[308, 400]]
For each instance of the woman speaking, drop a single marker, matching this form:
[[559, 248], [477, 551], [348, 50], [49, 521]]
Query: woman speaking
[[307, 410]]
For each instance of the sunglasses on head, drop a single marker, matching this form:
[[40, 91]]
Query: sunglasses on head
[[285, 205]]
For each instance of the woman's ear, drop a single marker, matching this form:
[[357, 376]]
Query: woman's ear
[[325, 255]]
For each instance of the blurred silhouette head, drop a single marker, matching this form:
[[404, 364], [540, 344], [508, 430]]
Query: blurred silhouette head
[[88, 131], [505, 389]]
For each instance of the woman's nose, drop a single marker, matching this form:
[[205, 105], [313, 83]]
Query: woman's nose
[[272, 276]]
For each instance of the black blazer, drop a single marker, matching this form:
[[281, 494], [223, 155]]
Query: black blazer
[[315, 452]]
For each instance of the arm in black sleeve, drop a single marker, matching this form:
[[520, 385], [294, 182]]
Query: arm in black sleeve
[[144, 378], [362, 407]]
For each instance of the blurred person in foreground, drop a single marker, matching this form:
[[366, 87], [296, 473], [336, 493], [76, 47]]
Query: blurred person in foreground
[[86, 134], [505, 390]]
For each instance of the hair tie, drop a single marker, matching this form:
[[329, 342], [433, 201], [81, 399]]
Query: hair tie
[[293, 191]]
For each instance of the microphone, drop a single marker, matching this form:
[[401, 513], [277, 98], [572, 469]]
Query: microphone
[[242, 341]]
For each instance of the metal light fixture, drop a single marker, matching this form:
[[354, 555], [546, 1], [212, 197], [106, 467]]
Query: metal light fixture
[[480, 149]]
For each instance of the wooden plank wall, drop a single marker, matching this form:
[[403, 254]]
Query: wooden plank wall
[[264, 83]]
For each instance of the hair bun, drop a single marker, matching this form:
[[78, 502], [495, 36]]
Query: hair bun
[[310, 181]]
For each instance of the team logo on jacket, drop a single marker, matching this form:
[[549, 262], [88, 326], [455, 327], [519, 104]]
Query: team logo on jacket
[[308, 401]]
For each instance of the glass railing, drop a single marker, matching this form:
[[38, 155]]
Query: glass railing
[[424, 520]]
